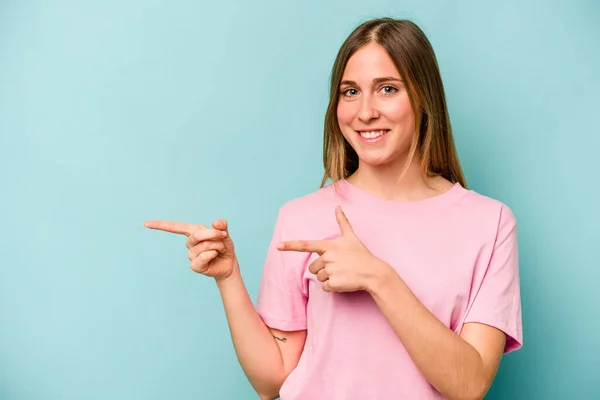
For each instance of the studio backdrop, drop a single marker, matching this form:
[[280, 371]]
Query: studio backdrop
[[116, 112]]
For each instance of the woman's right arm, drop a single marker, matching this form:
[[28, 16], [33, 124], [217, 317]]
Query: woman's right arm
[[267, 356]]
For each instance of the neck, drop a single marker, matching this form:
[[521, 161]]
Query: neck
[[385, 181]]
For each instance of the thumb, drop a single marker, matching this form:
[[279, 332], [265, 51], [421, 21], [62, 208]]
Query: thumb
[[221, 225], [344, 223]]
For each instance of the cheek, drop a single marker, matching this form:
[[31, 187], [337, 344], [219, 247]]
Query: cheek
[[345, 113], [400, 111]]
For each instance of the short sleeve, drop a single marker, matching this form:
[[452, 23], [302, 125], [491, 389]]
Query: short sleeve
[[497, 301], [281, 302]]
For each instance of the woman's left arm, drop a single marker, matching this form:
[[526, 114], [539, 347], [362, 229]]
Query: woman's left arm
[[459, 367]]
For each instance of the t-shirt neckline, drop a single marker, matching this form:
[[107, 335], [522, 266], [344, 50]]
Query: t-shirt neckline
[[358, 195]]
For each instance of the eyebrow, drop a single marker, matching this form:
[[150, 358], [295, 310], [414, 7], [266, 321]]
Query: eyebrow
[[376, 80]]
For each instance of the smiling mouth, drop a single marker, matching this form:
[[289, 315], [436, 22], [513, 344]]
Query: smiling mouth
[[372, 135]]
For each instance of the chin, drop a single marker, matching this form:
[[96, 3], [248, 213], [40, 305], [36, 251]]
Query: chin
[[383, 156], [375, 160]]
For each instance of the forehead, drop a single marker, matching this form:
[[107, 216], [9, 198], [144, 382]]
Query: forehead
[[371, 61]]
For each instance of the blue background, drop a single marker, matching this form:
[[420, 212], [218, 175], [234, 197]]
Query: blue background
[[115, 112]]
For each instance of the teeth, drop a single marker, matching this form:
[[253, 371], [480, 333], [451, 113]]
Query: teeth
[[372, 135]]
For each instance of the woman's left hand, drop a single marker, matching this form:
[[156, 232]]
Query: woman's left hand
[[344, 264]]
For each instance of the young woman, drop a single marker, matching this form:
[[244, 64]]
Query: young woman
[[393, 282]]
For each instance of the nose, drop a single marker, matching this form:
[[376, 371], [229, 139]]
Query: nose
[[368, 110]]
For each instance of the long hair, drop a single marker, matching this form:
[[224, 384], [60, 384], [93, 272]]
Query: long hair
[[413, 56]]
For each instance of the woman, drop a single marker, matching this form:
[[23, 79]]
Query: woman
[[393, 282]]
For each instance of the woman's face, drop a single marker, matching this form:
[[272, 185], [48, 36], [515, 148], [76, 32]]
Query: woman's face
[[374, 111]]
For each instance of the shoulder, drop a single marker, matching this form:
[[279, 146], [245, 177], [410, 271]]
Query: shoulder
[[308, 203], [495, 213], [308, 211]]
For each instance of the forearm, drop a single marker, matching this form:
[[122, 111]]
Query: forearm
[[448, 362], [256, 348]]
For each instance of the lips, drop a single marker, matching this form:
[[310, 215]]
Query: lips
[[372, 136]]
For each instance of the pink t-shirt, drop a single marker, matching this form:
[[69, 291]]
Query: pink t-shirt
[[456, 251]]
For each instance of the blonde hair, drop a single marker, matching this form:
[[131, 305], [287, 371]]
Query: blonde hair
[[413, 55]]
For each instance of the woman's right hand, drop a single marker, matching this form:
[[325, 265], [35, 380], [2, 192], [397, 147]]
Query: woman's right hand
[[210, 250]]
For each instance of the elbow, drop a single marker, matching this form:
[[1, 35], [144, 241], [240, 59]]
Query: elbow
[[270, 392], [467, 396], [269, 389], [477, 396], [480, 391], [476, 392], [268, 396], [472, 397]]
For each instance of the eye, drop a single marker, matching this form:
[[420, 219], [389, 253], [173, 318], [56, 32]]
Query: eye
[[349, 92], [389, 89]]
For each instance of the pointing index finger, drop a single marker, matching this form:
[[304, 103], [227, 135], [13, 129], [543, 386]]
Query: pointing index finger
[[181, 228], [343, 222], [308, 246]]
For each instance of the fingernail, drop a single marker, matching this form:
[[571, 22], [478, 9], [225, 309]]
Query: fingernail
[[280, 246], [223, 233]]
